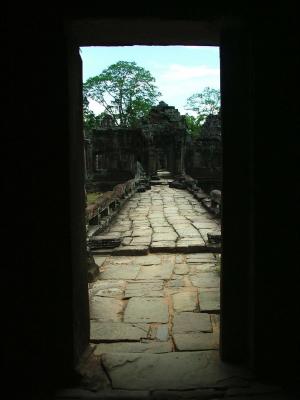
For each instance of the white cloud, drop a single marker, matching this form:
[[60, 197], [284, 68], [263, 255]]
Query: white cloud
[[177, 72], [177, 82], [95, 107]]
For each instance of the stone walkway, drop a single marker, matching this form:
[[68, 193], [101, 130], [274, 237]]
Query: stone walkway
[[155, 317], [162, 219]]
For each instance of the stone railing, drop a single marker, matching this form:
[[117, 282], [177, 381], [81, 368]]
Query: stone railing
[[211, 202], [100, 213]]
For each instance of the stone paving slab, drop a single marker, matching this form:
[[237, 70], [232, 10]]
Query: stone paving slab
[[200, 257], [120, 272], [203, 267], [147, 260], [194, 341], [185, 301], [107, 284], [209, 300], [119, 260], [163, 246], [170, 371], [176, 282], [205, 280], [191, 322], [131, 250], [106, 309], [140, 241], [162, 271], [99, 260], [181, 269], [141, 289], [161, 237], [146, 310], [113, 292], [118, 331], [148, 346], [160, 332], [141, 232]]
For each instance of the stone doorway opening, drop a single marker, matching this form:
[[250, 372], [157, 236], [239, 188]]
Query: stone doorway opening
[[219, 371], [154, 290]]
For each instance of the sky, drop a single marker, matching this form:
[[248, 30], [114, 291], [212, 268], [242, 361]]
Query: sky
[[179, 71]]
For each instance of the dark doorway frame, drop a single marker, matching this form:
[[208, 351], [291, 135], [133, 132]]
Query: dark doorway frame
[[236, 309]]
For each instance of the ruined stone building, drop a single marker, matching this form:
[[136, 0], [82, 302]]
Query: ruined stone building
[[203, 156], [160, 142]]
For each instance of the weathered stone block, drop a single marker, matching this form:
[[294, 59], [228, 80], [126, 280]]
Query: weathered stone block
[[146, 310], [118, 331]]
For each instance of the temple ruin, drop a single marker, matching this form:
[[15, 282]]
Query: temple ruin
[[119, 161]]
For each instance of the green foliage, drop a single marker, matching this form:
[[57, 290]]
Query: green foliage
[[194, 124], [90, 120], [205, 103], [125, 90]]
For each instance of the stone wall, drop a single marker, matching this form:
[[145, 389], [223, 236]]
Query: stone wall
[[203, 157], [165, 130], [111, 156]]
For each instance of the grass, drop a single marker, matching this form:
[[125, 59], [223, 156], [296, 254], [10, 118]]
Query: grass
[[92, 197]]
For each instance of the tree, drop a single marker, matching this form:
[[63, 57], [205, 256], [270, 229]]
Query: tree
[[125, 90], [90, 120], [193, 124], [205, 103]]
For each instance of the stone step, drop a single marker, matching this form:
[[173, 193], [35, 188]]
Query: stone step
[[169, 371]]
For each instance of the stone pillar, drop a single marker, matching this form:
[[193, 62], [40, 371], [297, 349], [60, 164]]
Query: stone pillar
[[152, 160]]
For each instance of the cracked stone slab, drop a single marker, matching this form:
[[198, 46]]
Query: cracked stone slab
[[146, 289], [203, 267], [99, 260], [205, 280], [185, 301], [141, 240], [199, 258], [120, 272], [160, 237], [169, 371], [147, 346], [163, 229], [176, 282], [118, 331], [146, 310], [159, 224], [141, 232], [163, 271], [209, 300], [191, 322], [188, 233], [106, 309], [126, 241], [114, 292], [107, 284], [163, 246], [119, 260], [119, 229], [181, 269], [195, 341], [147, 260], [160, 332], [180, 259], [191, 245]]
